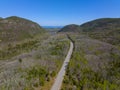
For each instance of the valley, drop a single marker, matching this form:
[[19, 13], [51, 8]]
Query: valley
[[42, 60]]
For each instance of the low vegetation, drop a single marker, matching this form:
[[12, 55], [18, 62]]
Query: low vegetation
[[30, 58], [35, 68], [93, 66], [105, 29]]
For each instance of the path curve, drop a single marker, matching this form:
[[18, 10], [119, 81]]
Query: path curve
[[58, 81]]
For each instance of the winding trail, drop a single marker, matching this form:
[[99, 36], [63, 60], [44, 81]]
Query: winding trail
[[58, 81]]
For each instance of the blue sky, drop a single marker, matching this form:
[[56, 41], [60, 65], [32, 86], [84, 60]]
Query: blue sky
[[60, 12]]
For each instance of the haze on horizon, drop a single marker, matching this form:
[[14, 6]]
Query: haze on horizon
[[60, 12]]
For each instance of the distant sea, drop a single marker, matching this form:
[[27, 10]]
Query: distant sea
[[52, 26]]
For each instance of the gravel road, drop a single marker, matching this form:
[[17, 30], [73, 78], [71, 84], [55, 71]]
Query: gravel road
[[58, 81]]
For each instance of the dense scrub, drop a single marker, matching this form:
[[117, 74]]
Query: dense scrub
[[93, 66], [11, 50], [36, 69], [105, 29], [111, 36]]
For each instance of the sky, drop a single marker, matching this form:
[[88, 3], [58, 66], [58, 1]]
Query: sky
[[60, 12]]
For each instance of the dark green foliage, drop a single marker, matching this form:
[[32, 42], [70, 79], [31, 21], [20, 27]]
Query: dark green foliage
[[114, 68], [20, 60], [39, 73], [53, 74]]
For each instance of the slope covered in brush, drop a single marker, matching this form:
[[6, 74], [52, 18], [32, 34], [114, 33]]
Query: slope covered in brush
[[16, 29], [71, 28], [105, 29]]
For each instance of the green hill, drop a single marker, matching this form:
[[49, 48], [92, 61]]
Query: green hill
[[95, 64], [17, 29], [102, 24], [105, 29], [71, 28]]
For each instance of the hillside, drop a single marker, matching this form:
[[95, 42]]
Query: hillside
[[71, 28], [95, 65], [36, 68], [105, 29], [101, 25], [16, 29]]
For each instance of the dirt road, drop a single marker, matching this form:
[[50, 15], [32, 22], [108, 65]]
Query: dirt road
[[58, 81]]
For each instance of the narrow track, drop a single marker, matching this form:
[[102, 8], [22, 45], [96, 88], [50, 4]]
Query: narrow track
[[58, 81]]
